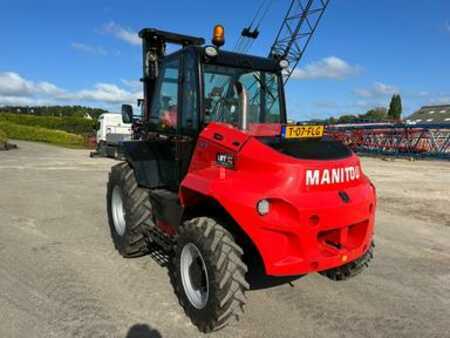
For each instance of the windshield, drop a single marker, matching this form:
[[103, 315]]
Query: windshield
[[222, 100]]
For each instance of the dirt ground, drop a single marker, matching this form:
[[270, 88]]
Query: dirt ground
[[60, 276]]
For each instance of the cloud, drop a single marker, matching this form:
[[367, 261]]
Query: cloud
[[326, 104], [124, 34], [378, 89], [423, 93], [13, 85], [89, 49], [133, 84], [328, 68], [104, 92], [447, 26], [16, 90], [23, 101], [440, 99], [357, 105]]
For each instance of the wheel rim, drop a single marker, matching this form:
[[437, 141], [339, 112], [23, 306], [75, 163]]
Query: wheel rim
[[194, 276], [118, 213]]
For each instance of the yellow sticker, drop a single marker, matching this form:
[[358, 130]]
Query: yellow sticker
[[303, 131]]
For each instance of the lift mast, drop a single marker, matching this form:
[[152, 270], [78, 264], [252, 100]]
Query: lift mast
[[296, 31]]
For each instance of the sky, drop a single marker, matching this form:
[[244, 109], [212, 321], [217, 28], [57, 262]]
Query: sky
[[364, 51]]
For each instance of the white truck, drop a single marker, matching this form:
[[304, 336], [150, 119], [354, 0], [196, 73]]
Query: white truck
[[112, 130]]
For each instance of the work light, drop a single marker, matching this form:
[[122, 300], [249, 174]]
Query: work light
[[211, 51], [263, 207], [284, 64]]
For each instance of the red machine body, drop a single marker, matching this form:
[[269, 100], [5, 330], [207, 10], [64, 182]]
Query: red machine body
[[217, 179], [322, 212]]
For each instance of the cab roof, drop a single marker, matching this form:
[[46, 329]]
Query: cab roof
[[232, 59]]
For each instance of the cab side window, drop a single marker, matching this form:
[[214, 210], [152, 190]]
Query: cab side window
[[164, 105], [189, 120]]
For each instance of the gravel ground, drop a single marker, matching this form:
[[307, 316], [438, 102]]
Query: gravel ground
[[60, 276]]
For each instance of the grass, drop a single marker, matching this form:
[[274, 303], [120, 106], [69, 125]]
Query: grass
[[3, 137], [75, 125], [38, 134]]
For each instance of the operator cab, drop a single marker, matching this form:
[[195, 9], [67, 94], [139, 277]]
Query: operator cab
[[194, 86], [194, 89], [197, 85]]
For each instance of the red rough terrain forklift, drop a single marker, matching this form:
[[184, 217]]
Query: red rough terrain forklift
[[218, 175]]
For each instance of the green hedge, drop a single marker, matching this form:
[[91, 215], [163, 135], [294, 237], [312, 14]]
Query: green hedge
[[75, 125], [27, 133], [3, 137]]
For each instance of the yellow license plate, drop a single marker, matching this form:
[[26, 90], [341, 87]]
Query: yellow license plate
[[302, 131]]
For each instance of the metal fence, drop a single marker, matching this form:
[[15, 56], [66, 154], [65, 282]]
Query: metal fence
[[420, 140]]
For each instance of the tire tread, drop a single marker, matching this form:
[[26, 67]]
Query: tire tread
[[137, 209], [225, 256]]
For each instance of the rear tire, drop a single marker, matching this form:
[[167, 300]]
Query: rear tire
[[351, 269], [208, 275], [129, 212]]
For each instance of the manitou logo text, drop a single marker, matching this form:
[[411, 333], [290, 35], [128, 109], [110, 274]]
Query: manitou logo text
[[331, 176]]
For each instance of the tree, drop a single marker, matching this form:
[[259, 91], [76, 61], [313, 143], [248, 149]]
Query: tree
[[376, 114], [395, 107], [332, 120], [347, 119]]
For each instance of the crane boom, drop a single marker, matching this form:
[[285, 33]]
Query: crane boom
[[296, 31]]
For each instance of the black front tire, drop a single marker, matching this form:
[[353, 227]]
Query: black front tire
[[137, 212], [351, 269], [225, 274]]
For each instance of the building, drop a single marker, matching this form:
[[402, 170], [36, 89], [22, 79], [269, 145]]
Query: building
[[431, 115]]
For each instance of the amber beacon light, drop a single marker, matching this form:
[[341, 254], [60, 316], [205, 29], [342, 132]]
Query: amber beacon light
[[218, 36]]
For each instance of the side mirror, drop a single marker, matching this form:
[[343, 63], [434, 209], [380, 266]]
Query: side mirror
[[127, 113]]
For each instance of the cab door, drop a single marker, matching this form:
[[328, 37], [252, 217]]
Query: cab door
[[174, 119], [163, 123], [188, 128]]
